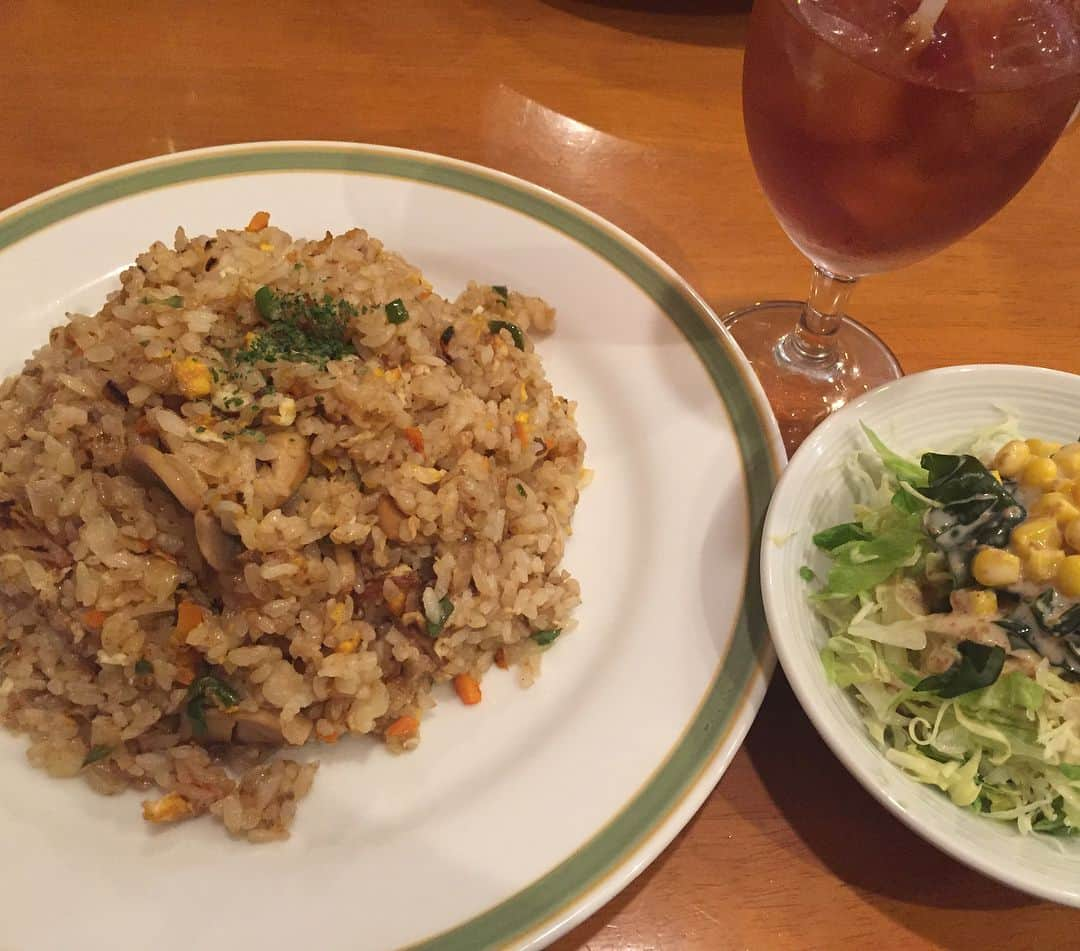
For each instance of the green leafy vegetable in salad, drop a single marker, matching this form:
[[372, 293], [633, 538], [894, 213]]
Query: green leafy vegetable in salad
[[979, 666]]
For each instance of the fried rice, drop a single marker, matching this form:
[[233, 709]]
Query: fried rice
[[275, 492]]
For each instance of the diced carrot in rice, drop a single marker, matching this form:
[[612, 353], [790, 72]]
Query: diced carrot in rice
[[403, 728], [468, 690], [189, 616], [94, 619]]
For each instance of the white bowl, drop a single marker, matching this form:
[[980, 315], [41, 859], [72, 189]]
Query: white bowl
[[936, 409]]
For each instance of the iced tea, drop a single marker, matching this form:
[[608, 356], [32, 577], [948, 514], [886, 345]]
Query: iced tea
[[876, 147]]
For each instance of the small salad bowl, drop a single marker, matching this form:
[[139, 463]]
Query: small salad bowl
[[936, 411]]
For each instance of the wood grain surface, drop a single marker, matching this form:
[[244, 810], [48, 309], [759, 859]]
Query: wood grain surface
[[632, 109]]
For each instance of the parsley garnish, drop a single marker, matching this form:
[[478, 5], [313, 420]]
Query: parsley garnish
[[301, 329]]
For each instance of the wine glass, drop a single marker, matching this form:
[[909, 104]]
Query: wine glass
[[881, 131]]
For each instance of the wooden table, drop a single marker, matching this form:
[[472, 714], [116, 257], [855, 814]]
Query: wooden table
[[632, 109]]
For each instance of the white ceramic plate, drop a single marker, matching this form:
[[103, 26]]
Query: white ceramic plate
[[933, 410], [517, 818]]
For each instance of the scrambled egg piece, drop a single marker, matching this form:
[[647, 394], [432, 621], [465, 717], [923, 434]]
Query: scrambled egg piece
[[193, 378], [168, 808]]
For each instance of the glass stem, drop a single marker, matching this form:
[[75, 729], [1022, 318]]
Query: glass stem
[[814, 336]]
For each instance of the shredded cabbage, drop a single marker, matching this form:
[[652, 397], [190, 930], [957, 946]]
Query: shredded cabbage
[[1009, 751]]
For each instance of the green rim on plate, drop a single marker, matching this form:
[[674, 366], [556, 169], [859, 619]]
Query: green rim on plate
[[545, 903]]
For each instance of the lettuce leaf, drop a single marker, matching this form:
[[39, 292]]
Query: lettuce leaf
[[862, 564], [904, 469]]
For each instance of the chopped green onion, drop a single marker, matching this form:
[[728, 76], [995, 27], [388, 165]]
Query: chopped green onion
[[513, 329], [807, 574], [267, 303], [446, 608], [521, 490], [176, 301], [548, 637], [208, 689], [501, 290], [143, 667], [396, 312], [96, 754]]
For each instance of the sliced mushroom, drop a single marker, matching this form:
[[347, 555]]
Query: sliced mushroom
[[219, 725], [262, 726], [390, 517], [185, 484], [286, 471], [219, 550]]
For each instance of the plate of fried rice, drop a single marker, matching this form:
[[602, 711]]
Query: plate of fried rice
[[377, 533]]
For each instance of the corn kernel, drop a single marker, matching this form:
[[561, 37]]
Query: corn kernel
[[1011, 458], [995, 568], [1068, 577], [1042, 447], [1068, 459], [1043, 564], [1057, 505], [1035, 533], [347, 647], [973, 601], [1040, 472], [193, 378], [1072, 535]]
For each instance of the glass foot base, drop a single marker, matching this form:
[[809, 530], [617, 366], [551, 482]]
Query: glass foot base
[[802, 389]]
